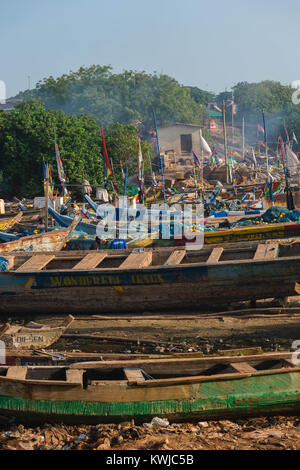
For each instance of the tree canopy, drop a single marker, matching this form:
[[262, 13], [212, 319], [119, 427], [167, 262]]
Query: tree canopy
[[127, 98], [27, 137], [272, 97]]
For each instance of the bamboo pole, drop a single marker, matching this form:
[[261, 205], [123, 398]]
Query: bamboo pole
[[225, 142], [47, 198]]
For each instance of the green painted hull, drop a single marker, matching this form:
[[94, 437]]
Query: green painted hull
[[255, 395]]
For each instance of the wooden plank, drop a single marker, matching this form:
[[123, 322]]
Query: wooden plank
[[134, 375], [74, 377], [90, 261], [215, 255], [267, 251], [243, 367], [137, 260], [16, 372], [36, 263], [175, 258]]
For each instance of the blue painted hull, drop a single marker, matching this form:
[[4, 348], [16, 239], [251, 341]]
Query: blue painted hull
[[153, 288]]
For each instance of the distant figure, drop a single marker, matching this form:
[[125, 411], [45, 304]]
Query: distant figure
[[41, 225], [97, 244], [118, 244], [87, 189]]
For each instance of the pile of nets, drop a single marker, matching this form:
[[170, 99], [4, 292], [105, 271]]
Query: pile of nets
[[274, 215]]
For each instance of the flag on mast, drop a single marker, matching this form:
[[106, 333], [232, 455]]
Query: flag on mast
[[205, 148], [260, 128], [106, 159], [196, 160], [60, 168], [253, 158], [141, 164]]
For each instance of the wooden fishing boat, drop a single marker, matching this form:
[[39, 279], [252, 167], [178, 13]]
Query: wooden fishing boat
[[6, 224], [33, 335], [49, 241], [259, 232], [177, 389], [148, 279], [42, 357]]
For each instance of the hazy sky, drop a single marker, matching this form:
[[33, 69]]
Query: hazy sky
[[210, 44]]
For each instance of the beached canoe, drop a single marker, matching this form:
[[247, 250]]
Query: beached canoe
[[177, 389], [148, 280], [49, 241], [259, 232], [33, 335]]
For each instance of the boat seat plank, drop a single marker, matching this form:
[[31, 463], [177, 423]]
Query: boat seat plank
[[17, 372], [90, 261], [36, 263], [175, 258], [134, 375], [215, 255], [267, 251], [74, 377], [243, 367], [137, 260]]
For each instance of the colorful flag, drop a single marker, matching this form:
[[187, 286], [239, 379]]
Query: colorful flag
[[196, 160], [253, 158], [260, 128], [108, 171], [287, 134], [141, 164], [60, 168], [205, 148], [295, 138]]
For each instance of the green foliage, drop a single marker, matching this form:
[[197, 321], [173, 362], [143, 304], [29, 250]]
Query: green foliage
[[201, 96], [27, 137], [128, 98], [274, 98]]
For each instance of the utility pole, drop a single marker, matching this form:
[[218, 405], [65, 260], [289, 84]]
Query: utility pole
[[243, 131], [232, 119], [225, 142]]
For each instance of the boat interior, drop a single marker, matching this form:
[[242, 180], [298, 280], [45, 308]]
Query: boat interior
[[148, 371], [148, 257]]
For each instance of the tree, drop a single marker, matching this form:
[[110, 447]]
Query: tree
[[127, 98], [27, 137]]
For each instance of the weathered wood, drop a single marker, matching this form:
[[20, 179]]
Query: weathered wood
[[74, 376], [267, 251], [134, 375], [17, 372], [90, 261], [137, 260], [243, 367], [175, 258], [36, 263], [215, 255]]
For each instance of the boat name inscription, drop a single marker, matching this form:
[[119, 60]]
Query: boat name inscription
[[103, 280]]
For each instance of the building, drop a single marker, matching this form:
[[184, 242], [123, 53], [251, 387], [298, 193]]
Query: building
[[182, 139], [10, 104]]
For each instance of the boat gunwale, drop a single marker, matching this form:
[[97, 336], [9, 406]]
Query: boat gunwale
[[159, 267]]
